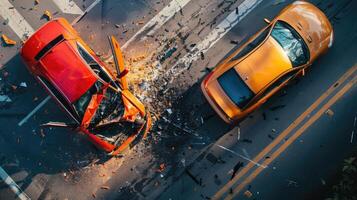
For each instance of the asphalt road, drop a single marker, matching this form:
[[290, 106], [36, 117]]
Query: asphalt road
[[60, 164]]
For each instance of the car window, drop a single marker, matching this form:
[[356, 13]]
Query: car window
[[235, 88], [292, 43], [94, 64], [277, 83], [58, 95], [253, 44], [82, 103]]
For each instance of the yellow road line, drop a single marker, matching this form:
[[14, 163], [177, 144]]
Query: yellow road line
[[297, 134], [292, 126]]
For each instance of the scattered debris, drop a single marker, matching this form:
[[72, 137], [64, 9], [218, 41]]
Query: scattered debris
[[277, 107], [105, 187], [23, 84], [248, 194], [247, 141], [271, 137], [162, 167], [5, 99], [234, 42], [193, 177], [264, 116], [323, 182], [292, 183], [238, 131], [329, 112], [169, 110], [7, 40], [47, 14], [167, 54], [236, 168], [354, 128], [177, 126], [202, 55]]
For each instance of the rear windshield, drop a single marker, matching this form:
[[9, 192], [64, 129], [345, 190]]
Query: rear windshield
[[235, 88]]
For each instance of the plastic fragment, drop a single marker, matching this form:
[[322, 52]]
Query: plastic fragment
[[47, 14], [7, 40]]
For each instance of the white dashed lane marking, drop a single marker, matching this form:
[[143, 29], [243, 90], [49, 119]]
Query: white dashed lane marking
[[15, 20]]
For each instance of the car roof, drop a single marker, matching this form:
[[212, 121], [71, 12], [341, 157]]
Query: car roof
[[263, 65], [67, 71]]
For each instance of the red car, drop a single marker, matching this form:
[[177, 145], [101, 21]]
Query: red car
[[99, 103]]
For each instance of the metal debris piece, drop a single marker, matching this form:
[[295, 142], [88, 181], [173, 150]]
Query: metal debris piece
[[105, 187], [235, 42], [248, 194], [247, 140], [277, 107], [5, 99], [23, 84], [238, 131], [236, 168], [177, 126], [354, 128], [7, 40], [329, 112], [48, 15], [169, 110]]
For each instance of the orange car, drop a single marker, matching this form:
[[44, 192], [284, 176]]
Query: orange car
[[272, 57]]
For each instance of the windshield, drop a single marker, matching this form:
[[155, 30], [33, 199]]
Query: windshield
[[82, 103], [293, 45], [235, 88], [110, 107]]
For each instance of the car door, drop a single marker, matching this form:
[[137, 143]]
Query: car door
[[57, 95], [272, 88]]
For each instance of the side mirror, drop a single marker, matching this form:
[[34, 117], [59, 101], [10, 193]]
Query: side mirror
[[267, 21]]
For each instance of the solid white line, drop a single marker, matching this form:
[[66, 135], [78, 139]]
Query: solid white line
[[159, 19], [212, 38], [13, 186], [244, 157], [68, 6], [15, 20], [34, 111]]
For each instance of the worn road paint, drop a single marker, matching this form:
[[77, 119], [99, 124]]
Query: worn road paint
[[288, 130], [34, 111], [212, 38], [298, 133], [86, 11], [12, 185], [68, 7], [15, 20], [158, 20]]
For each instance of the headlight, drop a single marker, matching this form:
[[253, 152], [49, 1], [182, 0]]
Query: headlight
[[331, 40]]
